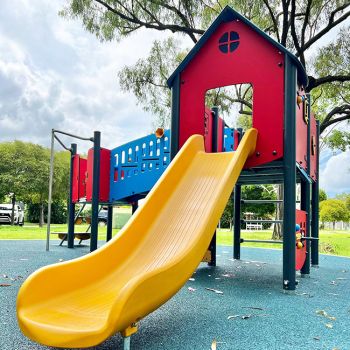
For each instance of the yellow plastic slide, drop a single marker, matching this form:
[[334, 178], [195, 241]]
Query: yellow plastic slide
[[82, 302]]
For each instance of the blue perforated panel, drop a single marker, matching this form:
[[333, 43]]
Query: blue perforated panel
[[137, 165]]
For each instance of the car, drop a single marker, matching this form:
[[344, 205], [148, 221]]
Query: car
[[6, 213], [103, 217]]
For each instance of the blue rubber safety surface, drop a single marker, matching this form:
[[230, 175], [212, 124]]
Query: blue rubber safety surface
[[251, 313]]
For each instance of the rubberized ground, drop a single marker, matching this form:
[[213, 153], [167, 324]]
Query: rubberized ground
[[252, 312]]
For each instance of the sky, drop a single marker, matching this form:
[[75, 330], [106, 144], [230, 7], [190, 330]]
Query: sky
[[54, 74]]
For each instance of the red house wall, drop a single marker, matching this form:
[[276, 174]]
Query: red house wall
[[105, 160], [79, 170], [301, 134], [255, 61]]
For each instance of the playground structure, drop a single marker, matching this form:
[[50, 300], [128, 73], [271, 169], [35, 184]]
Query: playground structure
[[189, 179]]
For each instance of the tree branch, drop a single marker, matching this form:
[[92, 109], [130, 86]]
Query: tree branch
[[315, 82], [273, 18], [331, 24], [160, 26], [343, 110]]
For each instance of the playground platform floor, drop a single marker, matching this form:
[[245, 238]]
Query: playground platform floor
[[252, 312]]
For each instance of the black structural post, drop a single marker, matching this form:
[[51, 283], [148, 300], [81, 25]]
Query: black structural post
[[175, 117], [109, 222], [289, 175], [305, 196], [134, 206], [95, 191], [71, 205], [315, 204], [237, 223], [214, 148]]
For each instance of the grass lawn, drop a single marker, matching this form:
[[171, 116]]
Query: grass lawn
[[33, 231], [331, 242]]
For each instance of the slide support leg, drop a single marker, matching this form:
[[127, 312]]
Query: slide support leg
[[126, 343], [212, 248]]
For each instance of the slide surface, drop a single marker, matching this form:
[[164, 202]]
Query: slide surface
[[82, 302]]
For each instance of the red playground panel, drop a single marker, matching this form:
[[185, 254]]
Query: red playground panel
[[301, 129], [105, 160], [255, 61], [79, 173], [313, 148], [300, 253]]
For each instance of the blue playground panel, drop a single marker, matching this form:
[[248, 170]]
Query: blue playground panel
[[229, 139], [137, 165]]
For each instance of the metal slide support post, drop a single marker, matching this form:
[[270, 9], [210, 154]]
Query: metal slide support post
[[237, 223], [95, 191], [126, 343], [71, 205], [305, 205], [315, 205], [50, 190], [109, 222], [289, 175], [175, 117], [215, 116]]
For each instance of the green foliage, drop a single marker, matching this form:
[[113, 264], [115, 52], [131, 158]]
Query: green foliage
[[263, 211], [24, 170], [58, 212], [332, 210], [322, 195], [147, 79], [338, 140]]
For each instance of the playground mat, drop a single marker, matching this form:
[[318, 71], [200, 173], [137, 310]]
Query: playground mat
[[239, 305]]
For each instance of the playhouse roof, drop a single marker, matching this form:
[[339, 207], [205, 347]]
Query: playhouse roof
[[228, 14]]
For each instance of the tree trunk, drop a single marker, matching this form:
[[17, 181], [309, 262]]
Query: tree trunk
[[277, 228], [333, 225], [13, 210], [41, 216]]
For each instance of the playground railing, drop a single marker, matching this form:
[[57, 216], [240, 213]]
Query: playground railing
[[137, 165]]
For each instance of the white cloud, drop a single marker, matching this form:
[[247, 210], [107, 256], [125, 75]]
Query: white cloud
[[53, 74], [335, 177]]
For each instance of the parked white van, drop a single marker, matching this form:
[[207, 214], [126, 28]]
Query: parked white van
[[6, 212]]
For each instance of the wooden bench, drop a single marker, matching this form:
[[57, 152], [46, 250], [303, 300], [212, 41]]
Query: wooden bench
[[82, 236]]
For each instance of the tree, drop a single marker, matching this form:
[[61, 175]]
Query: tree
[[322, 195], [332, 210], [24, 171], [297, 25]]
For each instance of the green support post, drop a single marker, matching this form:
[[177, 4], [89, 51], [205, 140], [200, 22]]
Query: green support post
[[95, 191], [237, 223], [289, 160], [215, 115], [71, 205], [315, 209], [175, 117]]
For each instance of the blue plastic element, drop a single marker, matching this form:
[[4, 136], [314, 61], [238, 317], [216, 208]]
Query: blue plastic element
[[297, 227], [137, 165], [229, 139]]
